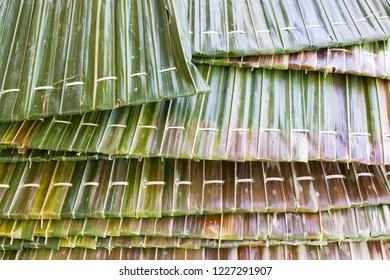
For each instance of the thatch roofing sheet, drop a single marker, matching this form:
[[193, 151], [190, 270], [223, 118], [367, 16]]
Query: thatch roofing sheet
[[352, 224], [69, 57], [377, 250], [372, 59], [14, 155], [73, 57], [154, 188], [232, 28], [144, 242], [249, 115]]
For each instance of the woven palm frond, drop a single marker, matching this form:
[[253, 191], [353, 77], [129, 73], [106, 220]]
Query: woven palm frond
[[306, 117], [69, 57], [371, 60], [274, 27]]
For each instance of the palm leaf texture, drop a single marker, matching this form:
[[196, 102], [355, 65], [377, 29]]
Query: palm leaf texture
[[376, 250], [371, 60], [308, 116], [154, 188], [56, 64], [230, 28], [110, 150]]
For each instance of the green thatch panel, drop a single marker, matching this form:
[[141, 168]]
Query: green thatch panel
[[359, 223], [69, 57], [371, 250], [288, 156], [249, 115], [36, 243], [144, 242], [13, 155], [155, 188], [371, 60], [233, 28]]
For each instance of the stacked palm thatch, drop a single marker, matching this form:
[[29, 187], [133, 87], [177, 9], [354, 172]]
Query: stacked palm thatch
[[274, 145]]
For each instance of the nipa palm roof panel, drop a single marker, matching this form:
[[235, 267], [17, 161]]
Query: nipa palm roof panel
[[69, 57], [77, 56], [110, 243], [143, 242], [8, 244], [249, 115], [12, 155], [375, 250], [352, 224], [155, 188], [231, 28], [372, 59]]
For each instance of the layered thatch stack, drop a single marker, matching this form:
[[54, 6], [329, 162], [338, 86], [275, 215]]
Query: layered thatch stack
[[275, 144]]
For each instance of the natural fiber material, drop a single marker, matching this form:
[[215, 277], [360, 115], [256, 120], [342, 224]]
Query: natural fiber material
[[352, 224], [372, 250], [70, 57], [273, 27], [269, 165], [155, 188], [144, 242], [249, 115], [8, 244], [371, 60]]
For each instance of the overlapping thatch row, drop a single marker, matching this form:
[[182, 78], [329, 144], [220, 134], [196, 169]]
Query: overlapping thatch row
[[155, 188], [376, 250], [249, 115], [151, 242], [110, 243], [7, 244], [232, 28], [14, 155], [372, 60], [352, 224], [248, 172], [70, 57]]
